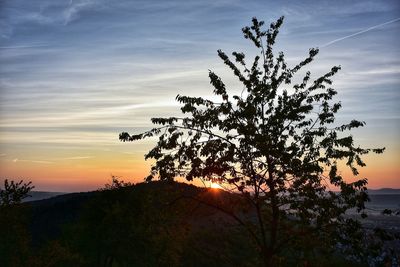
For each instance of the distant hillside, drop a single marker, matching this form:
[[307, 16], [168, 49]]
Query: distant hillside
[[384, 191], [39, 195], [148, 224]]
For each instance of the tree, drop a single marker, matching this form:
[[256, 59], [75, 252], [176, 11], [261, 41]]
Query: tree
[[276, 144], [115, 184], [14, 192]]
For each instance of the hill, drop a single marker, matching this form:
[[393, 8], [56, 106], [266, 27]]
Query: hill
[[39, 195], [149, 224], [384, 191]]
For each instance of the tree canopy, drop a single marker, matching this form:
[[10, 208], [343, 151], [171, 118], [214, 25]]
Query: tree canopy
[[277, 144], [14, 192]]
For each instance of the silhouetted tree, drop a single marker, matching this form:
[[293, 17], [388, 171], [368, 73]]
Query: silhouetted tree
[[278, 145], [14, 192], [116, 183]]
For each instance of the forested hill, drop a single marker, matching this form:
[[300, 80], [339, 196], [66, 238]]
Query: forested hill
[[148, 224], [39, 195], [49, 216]]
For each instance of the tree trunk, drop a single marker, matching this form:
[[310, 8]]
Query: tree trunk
[[275, 213]]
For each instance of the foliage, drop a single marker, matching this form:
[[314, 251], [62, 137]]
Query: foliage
[[54, 254], [277, 144], [116, 183], [14, 192], [14, 234]]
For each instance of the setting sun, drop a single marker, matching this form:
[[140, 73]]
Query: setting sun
[[215, 186]]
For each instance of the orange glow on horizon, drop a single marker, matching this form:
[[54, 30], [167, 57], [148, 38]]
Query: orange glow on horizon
[[91, 173], [215, 186]]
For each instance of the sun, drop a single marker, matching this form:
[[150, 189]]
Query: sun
[[215, 186]]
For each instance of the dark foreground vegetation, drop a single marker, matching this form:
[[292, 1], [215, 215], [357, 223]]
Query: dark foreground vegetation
[[149, 224]]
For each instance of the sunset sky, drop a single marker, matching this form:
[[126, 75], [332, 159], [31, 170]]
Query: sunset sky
[[74, 74]]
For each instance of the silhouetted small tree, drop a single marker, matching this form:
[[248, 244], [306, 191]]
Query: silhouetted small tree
[[276, 144], [14, 192], [115, 184]]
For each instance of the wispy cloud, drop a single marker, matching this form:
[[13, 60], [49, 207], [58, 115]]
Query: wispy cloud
[[23, 46], [72, 12], [45, 161], [378, 71], [78, 158], [33, 161], [48, 12], [360, 32]]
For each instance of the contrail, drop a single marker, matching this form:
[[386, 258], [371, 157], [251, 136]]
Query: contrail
[[360, 32]]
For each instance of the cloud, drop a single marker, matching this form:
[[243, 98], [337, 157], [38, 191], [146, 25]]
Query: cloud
[[48, 12], [360, 32], [23, 46], [41, 161], [73, 11], [78, 158], [45, 161], [50, 161], [378, 71], [33, 161]]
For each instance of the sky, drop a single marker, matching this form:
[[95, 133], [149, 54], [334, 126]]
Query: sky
[[76, 73]]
